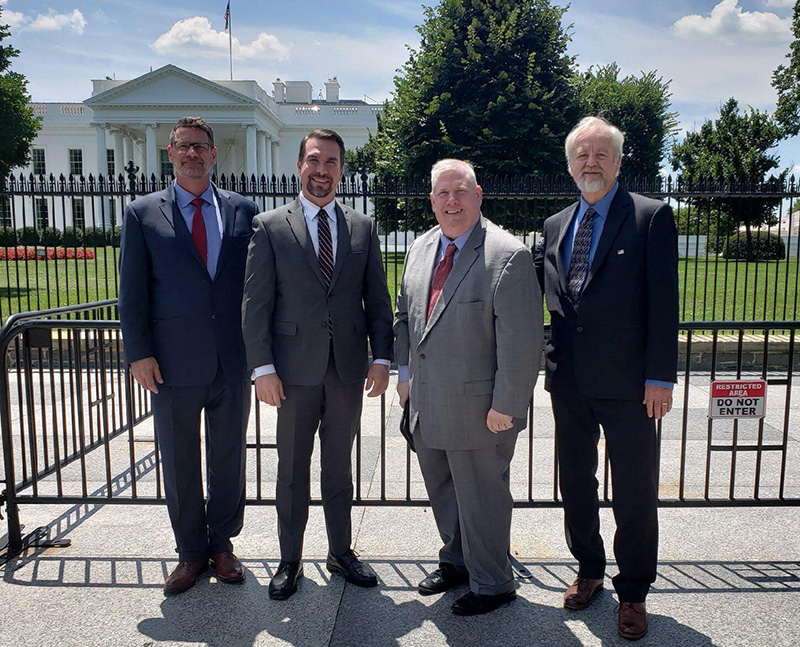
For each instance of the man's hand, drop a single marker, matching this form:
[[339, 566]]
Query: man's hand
[[497, 422], [269, 389], [658, 401], [146, 372], [377, 380], [402, 391]]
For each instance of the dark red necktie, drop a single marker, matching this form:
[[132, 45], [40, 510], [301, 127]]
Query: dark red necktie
[[440, 276], [199, 229]]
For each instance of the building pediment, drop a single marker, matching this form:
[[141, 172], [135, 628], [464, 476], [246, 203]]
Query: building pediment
[[168, 86]]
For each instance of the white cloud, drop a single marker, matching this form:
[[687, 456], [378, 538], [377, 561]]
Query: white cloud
[[51, 21], [727, 18], [194, 37]]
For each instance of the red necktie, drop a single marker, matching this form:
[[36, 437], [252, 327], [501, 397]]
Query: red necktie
[[440, 276], [199, 229]]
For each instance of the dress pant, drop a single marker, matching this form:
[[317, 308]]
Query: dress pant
[[334, 408], [203, 528], [631, 441], [472, 506]]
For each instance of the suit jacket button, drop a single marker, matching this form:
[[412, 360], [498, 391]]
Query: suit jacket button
[[213, 316], [579, 329], [324, 324], [422, 355]]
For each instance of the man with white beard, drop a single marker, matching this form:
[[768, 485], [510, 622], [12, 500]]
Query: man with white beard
[[608, 270]]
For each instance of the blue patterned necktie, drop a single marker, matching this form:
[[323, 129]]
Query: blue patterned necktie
[[579, 261]]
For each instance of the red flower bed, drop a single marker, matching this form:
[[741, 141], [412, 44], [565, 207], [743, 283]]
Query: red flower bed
[[50, 253]]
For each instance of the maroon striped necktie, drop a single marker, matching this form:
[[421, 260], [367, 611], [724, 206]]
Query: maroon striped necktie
[[199, 229], [440, 276]]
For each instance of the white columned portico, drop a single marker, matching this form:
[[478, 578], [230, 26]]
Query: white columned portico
[[262, 155], [151, 152], [100, 143], [251, 164], [138, 154], [233, 163], [119, 155]]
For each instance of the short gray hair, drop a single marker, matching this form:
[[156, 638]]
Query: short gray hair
[[451, 164], [595, 123]]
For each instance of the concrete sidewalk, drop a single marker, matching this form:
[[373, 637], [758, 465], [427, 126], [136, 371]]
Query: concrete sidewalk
[[727, 577]]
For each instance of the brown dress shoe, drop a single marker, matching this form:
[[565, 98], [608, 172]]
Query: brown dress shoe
[[632, 620], [183, 577], [581, 593], [227, 568]]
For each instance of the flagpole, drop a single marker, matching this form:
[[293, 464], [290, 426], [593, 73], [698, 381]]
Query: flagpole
[[230, 41]]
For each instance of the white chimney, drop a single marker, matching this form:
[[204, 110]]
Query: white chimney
[[279, 91], [332, 90]]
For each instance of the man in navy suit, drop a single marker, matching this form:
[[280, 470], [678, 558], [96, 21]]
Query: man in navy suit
[[608, 270], [182, 263]]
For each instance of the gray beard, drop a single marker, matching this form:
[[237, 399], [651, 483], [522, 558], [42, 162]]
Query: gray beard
[[318, 192], [590, 186]]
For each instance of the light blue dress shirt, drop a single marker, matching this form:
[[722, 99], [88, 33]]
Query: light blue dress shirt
[[211, 217]]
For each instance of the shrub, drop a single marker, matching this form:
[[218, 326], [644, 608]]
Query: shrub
[[50, 237], [94, 237], [764, 247], [73, 237], [8, 237], [30, 253], [113, 236], [28, 236]]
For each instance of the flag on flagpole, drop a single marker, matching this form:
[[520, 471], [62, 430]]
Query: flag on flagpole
[[227, 14]]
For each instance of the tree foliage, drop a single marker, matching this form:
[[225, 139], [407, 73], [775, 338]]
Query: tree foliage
[[18, 125], [639, 107], [490, 82], [734, 151], [786, 80]]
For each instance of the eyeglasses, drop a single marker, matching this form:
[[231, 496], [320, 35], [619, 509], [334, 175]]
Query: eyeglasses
[[199, 147]]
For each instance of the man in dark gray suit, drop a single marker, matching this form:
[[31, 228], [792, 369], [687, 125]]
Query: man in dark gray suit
[[315, 291], [468, 328], [609, 273], [181, 264]]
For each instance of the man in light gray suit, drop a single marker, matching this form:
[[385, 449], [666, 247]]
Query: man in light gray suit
[[468, 338], [314, 292]]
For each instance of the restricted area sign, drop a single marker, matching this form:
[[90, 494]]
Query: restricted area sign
[[738, 399]]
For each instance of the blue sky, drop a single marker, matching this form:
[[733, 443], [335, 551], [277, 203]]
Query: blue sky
[[710, 50]]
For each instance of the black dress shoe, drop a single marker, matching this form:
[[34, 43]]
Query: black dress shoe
[[474, 604], [354, 571], [442, 579], [284, 583]]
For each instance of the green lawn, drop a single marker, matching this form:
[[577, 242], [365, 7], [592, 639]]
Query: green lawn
[[40, 284], [710, 290]]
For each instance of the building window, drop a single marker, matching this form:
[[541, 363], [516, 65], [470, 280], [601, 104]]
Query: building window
[[6, 221], [112, 167], [39, 166], [78, 214], [165, 164], [42, 213], [76, 161]]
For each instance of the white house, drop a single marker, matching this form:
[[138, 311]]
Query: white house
[[256, 132]]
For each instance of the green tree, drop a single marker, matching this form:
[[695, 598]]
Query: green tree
[[490, 83], [639, 107], [786, 81], [733, 153], [18, 125]]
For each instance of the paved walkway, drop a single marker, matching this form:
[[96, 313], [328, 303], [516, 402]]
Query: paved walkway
[[727, 577]]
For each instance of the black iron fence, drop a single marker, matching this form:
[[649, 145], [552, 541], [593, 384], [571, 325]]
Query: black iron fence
[[76, 428], [739, 244]]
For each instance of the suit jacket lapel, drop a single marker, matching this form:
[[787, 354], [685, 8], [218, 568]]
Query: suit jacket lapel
[[466, 258], [297, 223], [566, 221], [171, 211], [344, 228], [621, 206], [228, 214], [420, 283]]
